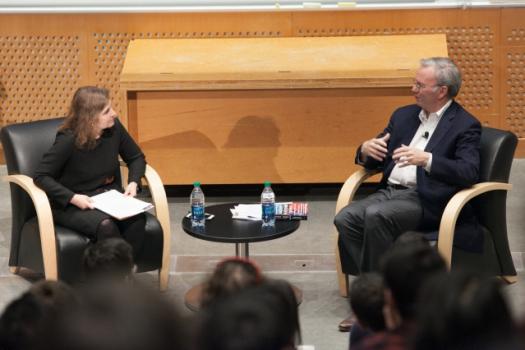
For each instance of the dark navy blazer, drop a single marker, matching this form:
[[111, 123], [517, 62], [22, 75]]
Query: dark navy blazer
[[455, 159]]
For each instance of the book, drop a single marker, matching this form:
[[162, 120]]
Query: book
[[291, 211], [118, 205]]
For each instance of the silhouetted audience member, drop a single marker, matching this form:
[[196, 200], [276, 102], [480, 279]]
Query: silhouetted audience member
[[116, 316], [263, 317], [459, 311], [23, 320], [405, 268], [110, 258], [367, 301], [230, 276]]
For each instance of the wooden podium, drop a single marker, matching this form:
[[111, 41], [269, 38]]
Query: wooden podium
[[246, 110]]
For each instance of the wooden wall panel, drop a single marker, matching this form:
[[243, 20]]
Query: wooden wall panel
[[39, 69], [512, 55], [108, 39], [472, 38], [284, 136], [44, 58]]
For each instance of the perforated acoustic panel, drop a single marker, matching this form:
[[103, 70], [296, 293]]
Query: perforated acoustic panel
[[37, 76], [110, 52], [471, 48], [42, 62], [514, 101], [516, 36]]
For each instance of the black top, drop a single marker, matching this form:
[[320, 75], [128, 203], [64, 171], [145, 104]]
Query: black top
[[222, 228], [66, 170]]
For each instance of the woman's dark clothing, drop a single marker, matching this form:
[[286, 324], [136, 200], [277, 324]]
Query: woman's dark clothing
[[66, 170]]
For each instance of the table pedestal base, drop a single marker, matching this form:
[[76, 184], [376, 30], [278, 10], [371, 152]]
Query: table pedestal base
[[192, 299]]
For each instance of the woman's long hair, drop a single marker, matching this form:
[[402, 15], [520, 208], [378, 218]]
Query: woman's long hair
[[87, 103]]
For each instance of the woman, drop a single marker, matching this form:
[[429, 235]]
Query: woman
[[83, 162]]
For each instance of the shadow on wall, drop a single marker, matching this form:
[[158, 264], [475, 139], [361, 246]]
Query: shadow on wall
[[252, 146], [185, 148], [248, 153]]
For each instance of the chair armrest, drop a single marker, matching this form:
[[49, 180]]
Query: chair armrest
[[452, 210], [158, 195], [45, 222], [347, 192]]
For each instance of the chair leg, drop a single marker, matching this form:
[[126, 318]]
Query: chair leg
[[342, 278], [509, 279], [163, 278]]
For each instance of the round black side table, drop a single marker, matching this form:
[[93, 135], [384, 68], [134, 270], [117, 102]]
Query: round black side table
[[223, 228]]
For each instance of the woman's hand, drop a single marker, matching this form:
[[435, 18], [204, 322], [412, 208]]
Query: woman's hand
[[82, 201], [131, 189]]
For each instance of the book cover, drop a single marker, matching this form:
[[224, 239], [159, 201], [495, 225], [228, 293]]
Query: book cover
[[291, 211]]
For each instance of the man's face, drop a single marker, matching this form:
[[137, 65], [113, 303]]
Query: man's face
[[426, 91]]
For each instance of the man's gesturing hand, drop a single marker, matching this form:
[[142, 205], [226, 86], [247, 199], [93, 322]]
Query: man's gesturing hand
[[405, 155], [375, 148]]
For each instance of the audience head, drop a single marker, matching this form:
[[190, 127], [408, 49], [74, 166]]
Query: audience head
[[405, 267], [87, 104], [230, 276], [114, 316], [263, 317], [446, 73], [108, 258], [367, 300], [24, 319], [461, 311]]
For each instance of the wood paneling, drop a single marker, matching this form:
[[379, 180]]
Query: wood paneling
[[44, 58], [266, 108], [512, 56], [284, 136]]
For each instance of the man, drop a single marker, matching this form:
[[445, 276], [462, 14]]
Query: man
[[428, 152]]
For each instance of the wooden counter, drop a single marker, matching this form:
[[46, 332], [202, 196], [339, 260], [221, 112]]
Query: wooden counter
[[245, 110]]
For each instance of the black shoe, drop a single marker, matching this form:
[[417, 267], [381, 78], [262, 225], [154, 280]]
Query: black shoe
[[346, 324]]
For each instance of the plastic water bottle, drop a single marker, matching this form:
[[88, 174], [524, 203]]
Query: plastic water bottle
[[268, 205], [197, 205]]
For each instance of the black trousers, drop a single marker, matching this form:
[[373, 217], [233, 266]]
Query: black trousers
[[87, 221], [368, 227]]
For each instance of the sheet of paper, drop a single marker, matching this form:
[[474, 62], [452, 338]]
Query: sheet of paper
[[118, 205], [247, 212]]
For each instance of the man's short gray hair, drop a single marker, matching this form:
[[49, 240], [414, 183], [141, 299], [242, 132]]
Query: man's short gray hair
[[447, 73]]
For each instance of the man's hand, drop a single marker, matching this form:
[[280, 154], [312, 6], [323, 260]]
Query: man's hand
[[375, 148], [405, 155], [131, 189], [82, 201]]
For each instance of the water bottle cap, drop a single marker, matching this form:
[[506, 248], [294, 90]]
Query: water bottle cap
[[267, 183], [197, 184]]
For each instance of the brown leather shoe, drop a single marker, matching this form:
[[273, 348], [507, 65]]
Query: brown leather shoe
[[346, 324]]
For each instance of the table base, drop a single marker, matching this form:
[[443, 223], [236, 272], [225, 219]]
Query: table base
[[192, 299]]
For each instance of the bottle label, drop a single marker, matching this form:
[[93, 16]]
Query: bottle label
[[268, 211], [197, 212]]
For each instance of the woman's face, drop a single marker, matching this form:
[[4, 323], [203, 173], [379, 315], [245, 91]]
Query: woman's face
[[106, 118]]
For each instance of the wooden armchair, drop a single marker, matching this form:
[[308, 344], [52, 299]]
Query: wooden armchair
[[38, 244], [488, 198]]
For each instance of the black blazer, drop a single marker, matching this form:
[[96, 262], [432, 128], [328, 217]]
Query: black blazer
[[455, 157]]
